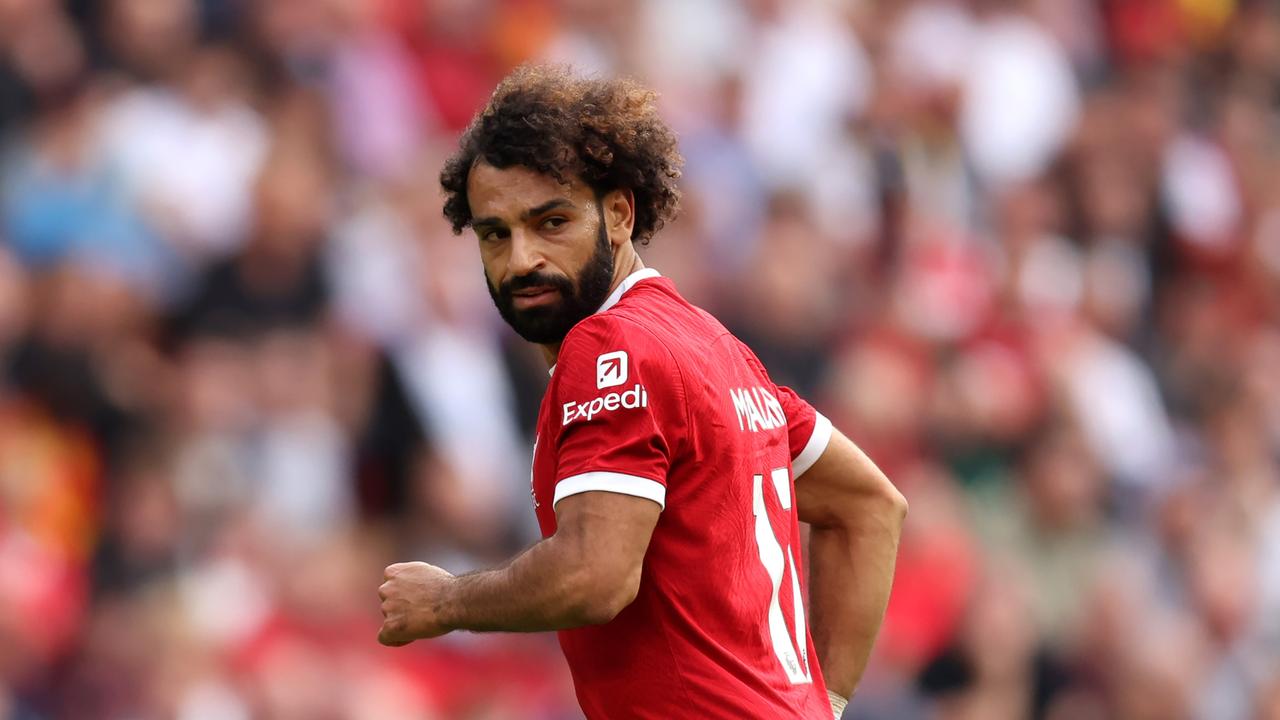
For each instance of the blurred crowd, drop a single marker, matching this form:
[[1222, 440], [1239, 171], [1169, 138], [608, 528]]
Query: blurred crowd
[[1025, 252]]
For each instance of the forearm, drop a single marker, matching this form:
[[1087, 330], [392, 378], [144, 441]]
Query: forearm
[[851, 572], [538, 590]]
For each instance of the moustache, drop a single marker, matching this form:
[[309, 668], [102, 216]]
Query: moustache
[[537, 279]]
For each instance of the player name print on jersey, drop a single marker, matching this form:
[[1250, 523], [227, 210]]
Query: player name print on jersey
[[731, 639], [757, 409]]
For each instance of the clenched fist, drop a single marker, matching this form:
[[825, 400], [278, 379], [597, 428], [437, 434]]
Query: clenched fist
[[411, 603]]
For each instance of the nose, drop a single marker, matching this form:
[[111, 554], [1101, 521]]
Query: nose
[[526, 254]]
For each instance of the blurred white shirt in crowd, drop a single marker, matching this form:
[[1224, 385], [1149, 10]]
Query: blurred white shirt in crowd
[[459, 389], [1199, 186], [378, 114], [691, 43], [373, 263], [1120, 410], [932, 46], [1021, 100], [191, 171], [303, 460], [806, 78]]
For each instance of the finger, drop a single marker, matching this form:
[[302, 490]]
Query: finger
[[384, 590], [391, 639]]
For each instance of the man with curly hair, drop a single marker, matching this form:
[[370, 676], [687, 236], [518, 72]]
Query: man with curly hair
[[670, 474]]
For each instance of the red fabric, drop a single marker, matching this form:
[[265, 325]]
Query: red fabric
[[1141, 30], [932, 583], [801, 419], [456, 81], [454, 679], [697, 641]]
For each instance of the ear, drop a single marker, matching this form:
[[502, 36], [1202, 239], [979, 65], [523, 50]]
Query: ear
[[619, 215]]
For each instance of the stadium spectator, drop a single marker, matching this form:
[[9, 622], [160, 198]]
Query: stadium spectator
[[1045, 295]]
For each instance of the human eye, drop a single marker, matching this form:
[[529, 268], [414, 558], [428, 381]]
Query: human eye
[[554, 222], [492, 235]]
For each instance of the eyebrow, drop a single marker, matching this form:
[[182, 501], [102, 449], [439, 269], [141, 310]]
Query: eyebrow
[[531, 212]]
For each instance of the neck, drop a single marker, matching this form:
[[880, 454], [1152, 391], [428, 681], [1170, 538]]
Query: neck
[[621, 270]]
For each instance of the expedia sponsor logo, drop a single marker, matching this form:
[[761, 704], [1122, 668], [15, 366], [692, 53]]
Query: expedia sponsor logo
[[757, 409], [636, 397], [611, 369]]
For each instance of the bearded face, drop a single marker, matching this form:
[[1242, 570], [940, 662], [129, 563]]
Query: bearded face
[[550, 304], [548, 257]]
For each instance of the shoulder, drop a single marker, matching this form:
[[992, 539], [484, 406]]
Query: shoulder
[[610, 352], [611, 332]]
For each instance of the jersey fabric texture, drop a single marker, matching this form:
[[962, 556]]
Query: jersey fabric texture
[[652, 397]]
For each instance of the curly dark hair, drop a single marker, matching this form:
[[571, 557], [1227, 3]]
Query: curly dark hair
[[549, 119]]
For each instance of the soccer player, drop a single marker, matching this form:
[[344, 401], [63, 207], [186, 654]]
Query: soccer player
[[670, 474]]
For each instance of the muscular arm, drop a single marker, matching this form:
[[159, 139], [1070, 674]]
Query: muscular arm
[[585, 574], [856, 516]]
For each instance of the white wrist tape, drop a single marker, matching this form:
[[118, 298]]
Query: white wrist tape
[[838, 704]]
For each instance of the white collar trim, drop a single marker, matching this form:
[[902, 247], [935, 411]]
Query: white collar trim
[[627, 283]]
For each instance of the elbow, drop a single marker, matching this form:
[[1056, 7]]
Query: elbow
[[881, 501], [896, 503], [887, 501], [891, 505]]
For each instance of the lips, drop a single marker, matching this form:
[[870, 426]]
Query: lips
[[532, 297]]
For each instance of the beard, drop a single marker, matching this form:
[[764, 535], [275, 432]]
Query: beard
[[578, 298]]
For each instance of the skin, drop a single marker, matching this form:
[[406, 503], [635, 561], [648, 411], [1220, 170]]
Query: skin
[[855, 516], [527, 222], [590, 569]]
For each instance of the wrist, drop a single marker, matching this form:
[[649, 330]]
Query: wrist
[[445, 612]]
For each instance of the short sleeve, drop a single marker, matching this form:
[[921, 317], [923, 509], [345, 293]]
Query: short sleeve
[[619, 411], [808, 431]]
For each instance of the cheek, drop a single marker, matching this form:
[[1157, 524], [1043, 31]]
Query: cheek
[[577, 252], [494, 263]]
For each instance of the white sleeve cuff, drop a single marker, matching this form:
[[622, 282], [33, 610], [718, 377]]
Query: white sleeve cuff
[[814, 448], [614, 483]]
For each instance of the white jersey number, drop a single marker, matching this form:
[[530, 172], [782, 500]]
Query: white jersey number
[[794, 657]]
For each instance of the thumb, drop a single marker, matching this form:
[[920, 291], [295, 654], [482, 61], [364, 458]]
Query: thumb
[[391, 639]]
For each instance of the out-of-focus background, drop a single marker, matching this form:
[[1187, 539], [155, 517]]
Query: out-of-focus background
[[1025, 252]]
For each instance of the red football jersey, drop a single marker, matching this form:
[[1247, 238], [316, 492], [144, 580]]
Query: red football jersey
[[653, 397]]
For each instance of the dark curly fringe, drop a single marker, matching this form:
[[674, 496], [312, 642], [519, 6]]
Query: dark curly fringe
[[606, 132]]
